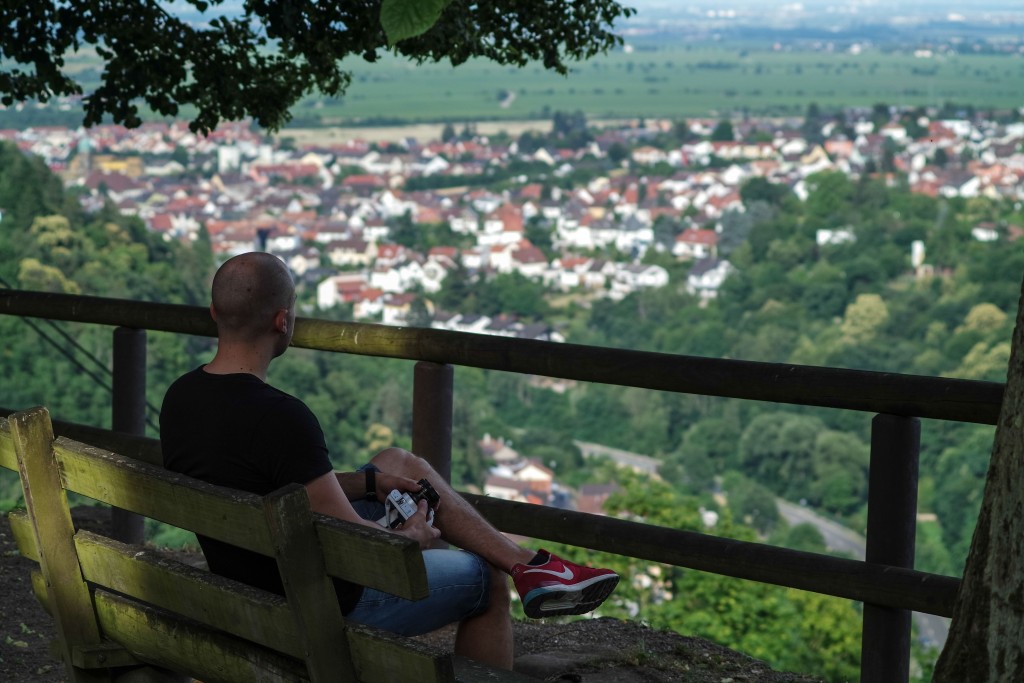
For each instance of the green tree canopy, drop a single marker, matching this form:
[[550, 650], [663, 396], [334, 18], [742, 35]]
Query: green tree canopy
[[259, 61], [723, 132]]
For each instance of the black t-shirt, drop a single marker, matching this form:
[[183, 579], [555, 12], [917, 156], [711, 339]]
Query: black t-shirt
[[240, 432]]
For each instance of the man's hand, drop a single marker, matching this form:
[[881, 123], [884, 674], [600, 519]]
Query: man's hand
[[417, 527], [387, 482]]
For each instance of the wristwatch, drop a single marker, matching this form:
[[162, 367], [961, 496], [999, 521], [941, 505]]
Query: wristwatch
[[371, 484]]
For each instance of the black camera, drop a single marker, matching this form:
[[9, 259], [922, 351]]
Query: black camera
[[400, 506]]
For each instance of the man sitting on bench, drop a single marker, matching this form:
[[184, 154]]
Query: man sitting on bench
[[222, 423]]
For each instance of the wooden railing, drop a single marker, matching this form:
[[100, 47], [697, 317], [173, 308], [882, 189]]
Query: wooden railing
[[885, 582]]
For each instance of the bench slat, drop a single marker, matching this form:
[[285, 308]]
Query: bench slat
[[213, 600], [371, 557], [165, 640], [8, 458], [383, 657], [310, 591], [24, 536], [391, 563], [172, 498]]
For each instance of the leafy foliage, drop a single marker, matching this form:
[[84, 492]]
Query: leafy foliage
[[857, 304], [258, 63], [822, 634]]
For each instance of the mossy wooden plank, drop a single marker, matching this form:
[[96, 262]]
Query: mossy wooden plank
[[42, 595], [54, 531], [141, 448], [390, 562], [175, 643], [470, 671], [310, 591], [382, 657], [371, 557], [184, 502], [101, 656], [24, 535], [8, 458], [207, 598]]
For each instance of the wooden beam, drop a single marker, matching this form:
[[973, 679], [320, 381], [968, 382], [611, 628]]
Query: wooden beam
[[312, 599], [372, 557], [168, 641], [866, 582], [54, 534], [209, 599], [876, 392]]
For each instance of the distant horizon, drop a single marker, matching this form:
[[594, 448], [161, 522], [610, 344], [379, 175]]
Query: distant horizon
[[815, 12]]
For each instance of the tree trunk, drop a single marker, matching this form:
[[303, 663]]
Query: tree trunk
[[986, 641]]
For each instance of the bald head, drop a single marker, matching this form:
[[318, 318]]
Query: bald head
[[248, 290]]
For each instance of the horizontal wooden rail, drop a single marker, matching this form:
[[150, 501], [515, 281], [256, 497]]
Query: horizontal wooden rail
[[875, 583], [877, 392]]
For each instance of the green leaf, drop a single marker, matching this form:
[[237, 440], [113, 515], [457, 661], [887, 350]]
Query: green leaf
[[403, 19]]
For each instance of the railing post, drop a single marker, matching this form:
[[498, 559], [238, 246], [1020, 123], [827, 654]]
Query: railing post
[[432, 394], [128, 413], [891, 534]]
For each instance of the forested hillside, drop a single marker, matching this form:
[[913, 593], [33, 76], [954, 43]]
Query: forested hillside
[[858, 304]]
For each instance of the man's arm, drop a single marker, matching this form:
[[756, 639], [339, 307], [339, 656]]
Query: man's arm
[[353, 484], [327, 497]]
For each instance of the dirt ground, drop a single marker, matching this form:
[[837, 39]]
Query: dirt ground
[[588, 651]]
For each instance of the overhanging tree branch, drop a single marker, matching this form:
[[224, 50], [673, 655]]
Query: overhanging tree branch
[[260, 62]]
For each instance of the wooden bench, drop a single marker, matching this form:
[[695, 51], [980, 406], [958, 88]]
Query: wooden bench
[[117, 605]]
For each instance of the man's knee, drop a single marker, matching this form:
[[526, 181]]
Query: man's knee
[[401, 462]]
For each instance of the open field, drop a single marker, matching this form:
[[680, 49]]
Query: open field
[[671, 81], [653, 79]]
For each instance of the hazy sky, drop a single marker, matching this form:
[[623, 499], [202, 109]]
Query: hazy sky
[[808, 12]]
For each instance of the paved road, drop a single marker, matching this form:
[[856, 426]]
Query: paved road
[[635, 461], [932, 630]]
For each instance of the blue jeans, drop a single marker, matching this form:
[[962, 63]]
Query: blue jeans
[[459, 584]]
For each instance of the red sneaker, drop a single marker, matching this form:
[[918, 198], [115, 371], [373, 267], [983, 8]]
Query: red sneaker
[[559, 587]]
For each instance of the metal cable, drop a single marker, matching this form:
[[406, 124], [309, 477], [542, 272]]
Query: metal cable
[[74, 361]]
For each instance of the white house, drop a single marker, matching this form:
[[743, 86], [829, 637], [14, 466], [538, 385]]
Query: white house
[[630, 278], [396, 308], [529, 261], [707, 276], [397, 278], [566, 273], [825, 237], [302, 260], [351, 252], [368, 305], [598, 274], [434, 273], [341, 288], [693, 244], [497, 449], [506, 488], [386, 278], [985, 232]]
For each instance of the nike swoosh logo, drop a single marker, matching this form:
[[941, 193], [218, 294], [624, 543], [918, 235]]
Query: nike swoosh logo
[[566, 573]]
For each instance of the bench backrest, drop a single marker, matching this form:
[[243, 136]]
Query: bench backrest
[[118, 604]]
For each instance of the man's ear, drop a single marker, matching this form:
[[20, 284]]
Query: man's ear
[[281, 320], [213, 313]]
